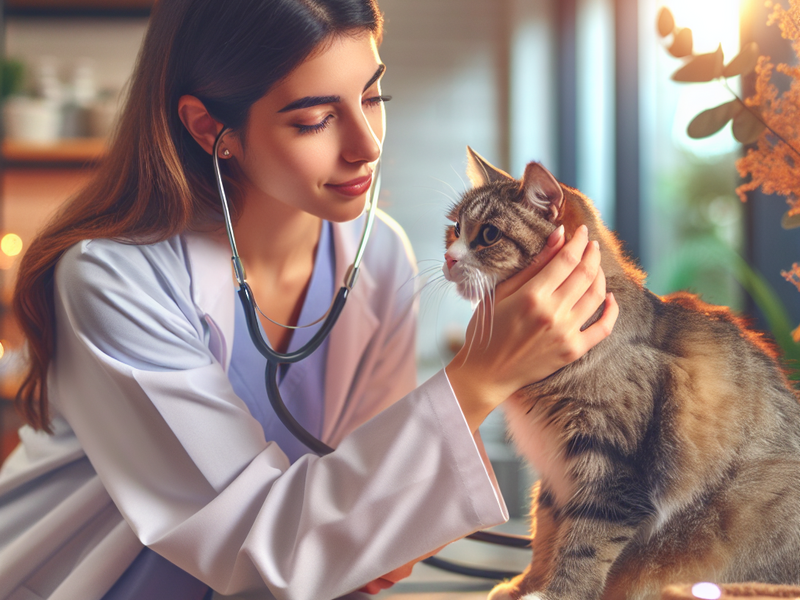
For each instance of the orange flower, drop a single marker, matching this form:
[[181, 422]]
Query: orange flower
[[773, 164], [793, 276]]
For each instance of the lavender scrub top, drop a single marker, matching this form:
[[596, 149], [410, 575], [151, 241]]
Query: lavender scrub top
[[302, 386]]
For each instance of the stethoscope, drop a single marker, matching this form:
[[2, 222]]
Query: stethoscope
[[276, 359]]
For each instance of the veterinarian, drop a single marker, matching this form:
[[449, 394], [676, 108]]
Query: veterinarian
[[152, 466]]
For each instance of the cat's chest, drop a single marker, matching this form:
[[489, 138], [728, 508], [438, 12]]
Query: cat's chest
[[541, 445]]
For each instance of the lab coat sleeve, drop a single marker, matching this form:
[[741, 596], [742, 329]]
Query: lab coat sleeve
[[191, 472]]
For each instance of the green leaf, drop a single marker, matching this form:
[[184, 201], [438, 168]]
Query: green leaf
[[744, 62], [712, 120], [13, 76], [682, 44], [703, 67], [790, 221], [666, 22], [747, 127]]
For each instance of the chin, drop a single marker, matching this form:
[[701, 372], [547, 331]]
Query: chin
[[349, 212], [465, 287]]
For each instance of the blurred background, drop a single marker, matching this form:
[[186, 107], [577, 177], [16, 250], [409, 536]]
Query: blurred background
[[580, 85]]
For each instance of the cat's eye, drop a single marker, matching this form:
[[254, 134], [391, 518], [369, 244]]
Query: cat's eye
[[489, 234], [457, 229]]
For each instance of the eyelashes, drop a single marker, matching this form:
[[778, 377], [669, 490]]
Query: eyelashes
[[322, 125], [377, 100]]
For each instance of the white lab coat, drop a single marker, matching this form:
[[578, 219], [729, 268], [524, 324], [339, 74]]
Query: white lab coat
[[166, 455]]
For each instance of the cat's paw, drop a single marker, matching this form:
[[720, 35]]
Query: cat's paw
[[503, 591], [533, 596]]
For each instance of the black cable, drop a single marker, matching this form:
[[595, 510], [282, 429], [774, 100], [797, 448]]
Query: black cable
[[459, 569], [501, 539]]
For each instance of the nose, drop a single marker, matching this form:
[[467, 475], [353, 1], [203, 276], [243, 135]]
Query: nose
[[362, 143], [450, 261]]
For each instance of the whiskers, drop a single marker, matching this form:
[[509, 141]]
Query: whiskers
[[480, 289], [475, 286]]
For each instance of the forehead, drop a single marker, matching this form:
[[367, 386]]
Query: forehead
[[486, 202], [341, 66]]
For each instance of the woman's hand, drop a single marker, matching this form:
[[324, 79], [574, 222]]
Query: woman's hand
[[388, 580], [536, 328]]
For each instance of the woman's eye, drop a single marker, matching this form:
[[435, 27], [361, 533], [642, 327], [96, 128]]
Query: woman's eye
[[315, 128], [457, 229], [375, 100], [489, 234]]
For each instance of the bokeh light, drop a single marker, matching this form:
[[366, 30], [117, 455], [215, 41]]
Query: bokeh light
[[11, 244], [706, 591], [713, 22]]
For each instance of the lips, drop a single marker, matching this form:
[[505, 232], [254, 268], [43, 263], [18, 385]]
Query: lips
[[354, 187]]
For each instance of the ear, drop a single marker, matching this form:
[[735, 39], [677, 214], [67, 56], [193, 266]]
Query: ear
[[541, 191], [481, 172], [201, 125]]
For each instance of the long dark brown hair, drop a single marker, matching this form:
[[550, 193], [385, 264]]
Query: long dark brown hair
[[156, 181]]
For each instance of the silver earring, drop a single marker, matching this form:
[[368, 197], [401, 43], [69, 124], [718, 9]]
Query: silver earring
[[226, 152]]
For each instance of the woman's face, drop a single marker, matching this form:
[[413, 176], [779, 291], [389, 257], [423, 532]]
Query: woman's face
[[313, 140]]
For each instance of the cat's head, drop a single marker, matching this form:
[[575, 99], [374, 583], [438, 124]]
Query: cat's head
[[499, 225]]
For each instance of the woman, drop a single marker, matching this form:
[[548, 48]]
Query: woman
[[151, 467]]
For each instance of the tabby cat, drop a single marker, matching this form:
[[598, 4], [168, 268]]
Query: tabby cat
[[669, 453]]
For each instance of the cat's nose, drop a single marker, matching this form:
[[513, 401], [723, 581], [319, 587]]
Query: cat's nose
[[450, 261]]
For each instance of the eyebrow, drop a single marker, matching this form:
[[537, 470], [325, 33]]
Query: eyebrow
[[310, 101]]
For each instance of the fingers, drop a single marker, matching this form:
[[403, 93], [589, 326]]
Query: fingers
[[554, 243], [580, 281], [590, 298], [376, 586], [600, 330], [555, 273]]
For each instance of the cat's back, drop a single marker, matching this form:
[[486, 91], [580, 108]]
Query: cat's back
[[713, 354], [726, 406]]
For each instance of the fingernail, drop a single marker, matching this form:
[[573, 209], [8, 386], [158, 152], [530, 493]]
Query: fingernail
[[596, 244], [556, 236]]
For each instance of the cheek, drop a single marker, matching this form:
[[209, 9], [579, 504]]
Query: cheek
[[280, 166], [503, 260]]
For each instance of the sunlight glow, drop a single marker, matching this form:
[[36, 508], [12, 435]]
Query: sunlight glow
[[713, 22], [706, 591]]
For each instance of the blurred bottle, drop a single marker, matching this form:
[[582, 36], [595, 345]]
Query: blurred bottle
[[46, 82], [81, 94]]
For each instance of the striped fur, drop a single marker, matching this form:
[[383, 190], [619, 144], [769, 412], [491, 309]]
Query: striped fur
[[670, 453]]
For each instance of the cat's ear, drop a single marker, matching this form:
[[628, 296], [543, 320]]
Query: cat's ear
[[541, 191], [481, 172]]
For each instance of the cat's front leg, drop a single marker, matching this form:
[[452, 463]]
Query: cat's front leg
[[574, 548], [589, 540], [544, 531]]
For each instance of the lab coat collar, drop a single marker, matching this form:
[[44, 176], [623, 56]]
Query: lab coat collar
[[209, 262], [352, 332]]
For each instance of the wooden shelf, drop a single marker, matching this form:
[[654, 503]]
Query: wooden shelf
[[77, 151]]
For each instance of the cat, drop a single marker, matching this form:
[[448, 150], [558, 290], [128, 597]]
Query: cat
[[669, 453]]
